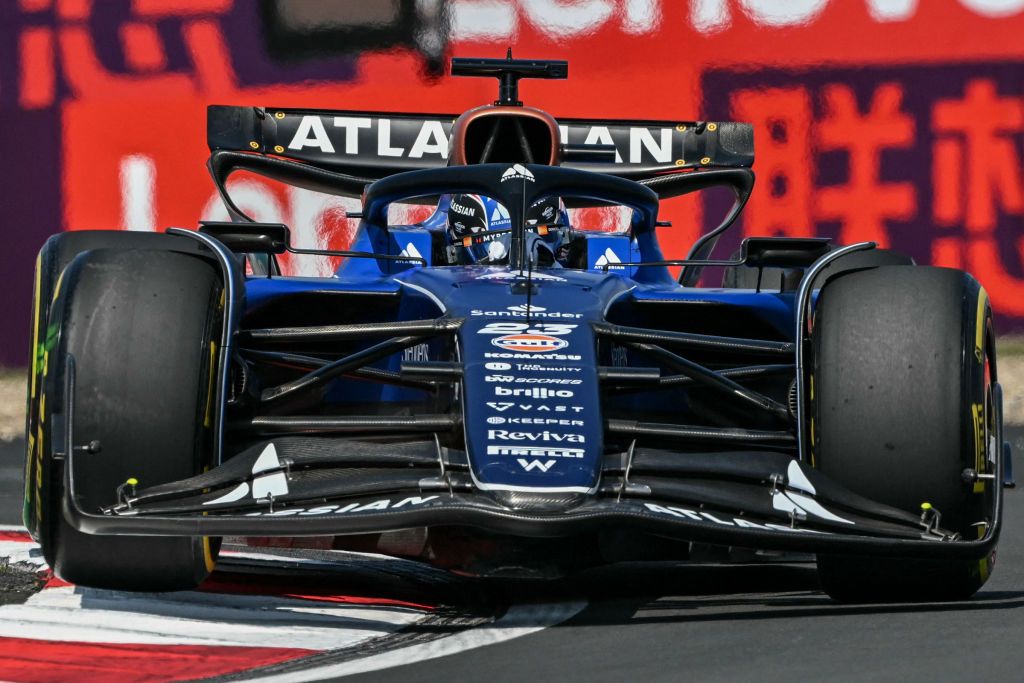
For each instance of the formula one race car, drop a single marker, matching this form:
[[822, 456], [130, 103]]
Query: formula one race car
[[516, 380]]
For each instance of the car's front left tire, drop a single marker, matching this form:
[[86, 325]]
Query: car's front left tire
[[904, 409]]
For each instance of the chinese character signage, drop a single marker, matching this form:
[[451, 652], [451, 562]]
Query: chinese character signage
[[898, 121]]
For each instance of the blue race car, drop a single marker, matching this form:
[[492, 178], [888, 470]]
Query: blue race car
[[519, 374]]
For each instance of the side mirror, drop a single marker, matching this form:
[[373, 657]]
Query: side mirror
[[249, 238], [783, 252]]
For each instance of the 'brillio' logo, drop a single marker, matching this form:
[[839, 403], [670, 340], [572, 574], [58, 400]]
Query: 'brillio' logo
[[530, 343]]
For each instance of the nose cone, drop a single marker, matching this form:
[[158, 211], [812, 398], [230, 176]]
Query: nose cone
[[533, 424]]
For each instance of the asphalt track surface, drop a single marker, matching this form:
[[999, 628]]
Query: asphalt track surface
[[672, 622]]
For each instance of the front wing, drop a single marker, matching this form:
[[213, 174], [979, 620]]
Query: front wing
[[300, 486]]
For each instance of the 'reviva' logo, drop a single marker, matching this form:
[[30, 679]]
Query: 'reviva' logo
[[506, 435]]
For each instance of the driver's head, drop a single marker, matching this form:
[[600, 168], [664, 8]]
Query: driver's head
[[549, 220], [469, 214]]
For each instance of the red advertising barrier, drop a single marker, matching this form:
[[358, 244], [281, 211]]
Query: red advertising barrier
[[898, 121]]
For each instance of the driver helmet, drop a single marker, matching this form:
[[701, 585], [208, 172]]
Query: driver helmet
[[469, 214], [550, 221]]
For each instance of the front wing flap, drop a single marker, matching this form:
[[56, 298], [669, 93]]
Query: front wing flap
[[764, 500]]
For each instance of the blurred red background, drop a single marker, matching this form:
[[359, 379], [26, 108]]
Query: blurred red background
[[899, 121]]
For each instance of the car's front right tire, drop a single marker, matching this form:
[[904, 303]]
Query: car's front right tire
[[142, 327]]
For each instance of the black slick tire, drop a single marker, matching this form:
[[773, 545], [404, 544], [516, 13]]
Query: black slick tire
[[141, 326], [55, 255], [902, 406]]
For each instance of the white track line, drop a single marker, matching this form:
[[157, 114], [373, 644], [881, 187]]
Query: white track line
[[20, 551], [520, 620], [88, 615], [79, 614], [190, 618]]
